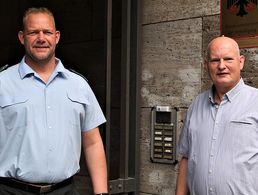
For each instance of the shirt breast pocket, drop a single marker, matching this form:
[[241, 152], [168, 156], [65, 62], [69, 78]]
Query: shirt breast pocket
[[245, 134], [14, 111], [77, 105], [245, 150]]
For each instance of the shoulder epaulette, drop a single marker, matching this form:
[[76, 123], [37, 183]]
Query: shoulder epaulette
[[4, 67], [75, 72]]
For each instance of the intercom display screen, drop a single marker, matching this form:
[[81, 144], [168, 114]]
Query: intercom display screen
[[163, 117]]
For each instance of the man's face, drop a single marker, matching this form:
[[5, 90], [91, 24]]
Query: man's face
[[224, 64], [39, 38]]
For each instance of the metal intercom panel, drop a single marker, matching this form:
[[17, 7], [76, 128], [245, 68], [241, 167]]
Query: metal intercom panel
[[163, 134]]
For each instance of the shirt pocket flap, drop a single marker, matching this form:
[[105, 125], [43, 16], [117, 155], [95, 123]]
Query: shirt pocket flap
[[241, 122], [79, 98], [12, 100]]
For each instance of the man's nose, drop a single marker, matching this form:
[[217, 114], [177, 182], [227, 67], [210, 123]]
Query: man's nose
[[221, 64], [41, 35]]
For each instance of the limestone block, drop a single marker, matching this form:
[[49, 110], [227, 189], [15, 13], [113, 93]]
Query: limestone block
[[145, 133], [159, 181], [181, 114], [171, 62], [155, 11], [211, 29], [249, 73]]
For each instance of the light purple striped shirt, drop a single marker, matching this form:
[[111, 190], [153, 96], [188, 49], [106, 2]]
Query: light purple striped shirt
[[221, 143]]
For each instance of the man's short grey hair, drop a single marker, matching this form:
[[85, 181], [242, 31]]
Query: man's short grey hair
[[36, 10]]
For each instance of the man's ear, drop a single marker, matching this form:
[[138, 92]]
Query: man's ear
[[57, 36], [21, 37], [242, 61]]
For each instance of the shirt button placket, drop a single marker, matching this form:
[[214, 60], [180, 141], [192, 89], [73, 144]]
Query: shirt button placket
[[214, 148], [211, 190], [212, 151], [48, 125]]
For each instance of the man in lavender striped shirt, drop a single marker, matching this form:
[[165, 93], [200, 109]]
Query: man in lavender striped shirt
[[219, 140]]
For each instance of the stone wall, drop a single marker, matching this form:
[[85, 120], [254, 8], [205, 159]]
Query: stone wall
[[174, 39]]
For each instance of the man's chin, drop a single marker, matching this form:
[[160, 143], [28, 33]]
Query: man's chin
[[41, 58], [225, 84], [224, 80]]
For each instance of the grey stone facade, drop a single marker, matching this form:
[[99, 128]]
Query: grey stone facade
[[175, 35]]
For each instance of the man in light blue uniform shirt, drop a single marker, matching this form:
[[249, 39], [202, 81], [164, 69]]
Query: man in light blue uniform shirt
[[219, 140], [45, 113]]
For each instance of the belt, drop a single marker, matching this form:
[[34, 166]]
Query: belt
[[34, 187]]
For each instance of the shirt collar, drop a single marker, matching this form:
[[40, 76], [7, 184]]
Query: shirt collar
[[211, 96], [230, 94], [233, 92], [25, 69]]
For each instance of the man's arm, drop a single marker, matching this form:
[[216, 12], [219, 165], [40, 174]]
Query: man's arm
[[181, 185], [95, 159]]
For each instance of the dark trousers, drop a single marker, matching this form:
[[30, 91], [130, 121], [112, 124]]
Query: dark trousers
[[67, 190]]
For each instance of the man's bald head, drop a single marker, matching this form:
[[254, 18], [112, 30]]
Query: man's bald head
[[222, 41]]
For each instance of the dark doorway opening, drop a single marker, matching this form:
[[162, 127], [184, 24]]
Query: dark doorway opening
[[100, 40]]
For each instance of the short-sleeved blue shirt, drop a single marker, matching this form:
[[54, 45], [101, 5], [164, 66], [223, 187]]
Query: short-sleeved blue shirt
[[41, 123]]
